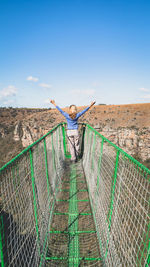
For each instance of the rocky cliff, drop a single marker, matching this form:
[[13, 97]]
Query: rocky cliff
[[134, 141], [128, 126]]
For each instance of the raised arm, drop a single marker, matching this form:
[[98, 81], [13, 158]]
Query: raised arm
[[65, 114], [92, 104], [86, 109]]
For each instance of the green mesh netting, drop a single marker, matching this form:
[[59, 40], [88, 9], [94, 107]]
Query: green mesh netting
[[28, 187], [91, 213], [119, 190]]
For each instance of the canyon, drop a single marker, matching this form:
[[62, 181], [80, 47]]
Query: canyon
[[128, 126]]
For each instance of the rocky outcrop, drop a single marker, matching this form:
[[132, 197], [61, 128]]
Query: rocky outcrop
[[2, 132], [27, 138], [18, 131], [128, 126], [132, 140], [28, 133]]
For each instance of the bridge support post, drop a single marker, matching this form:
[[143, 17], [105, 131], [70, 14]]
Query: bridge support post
[[64, 140], [46, 167], [93, 151], [53, 153], [82, 142], [112, 199], [113, 187], [66, 153], [99, 164], [34, 198]]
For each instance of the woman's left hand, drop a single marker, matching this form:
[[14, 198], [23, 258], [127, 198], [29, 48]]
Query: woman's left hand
[[92, 103]]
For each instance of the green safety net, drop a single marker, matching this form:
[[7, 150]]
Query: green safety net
[[91, 213], [28, 187], [119, 191]]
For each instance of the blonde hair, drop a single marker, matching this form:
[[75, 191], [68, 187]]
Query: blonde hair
[[73, 114]]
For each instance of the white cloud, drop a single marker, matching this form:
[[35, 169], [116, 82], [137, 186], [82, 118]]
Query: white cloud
[[144, 90], [11, 90], [33, 79], [45, 85], [146, 96]]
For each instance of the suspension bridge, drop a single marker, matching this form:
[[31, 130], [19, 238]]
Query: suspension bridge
[[91, 213]]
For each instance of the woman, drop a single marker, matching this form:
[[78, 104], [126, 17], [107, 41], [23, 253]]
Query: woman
[[72, 127]]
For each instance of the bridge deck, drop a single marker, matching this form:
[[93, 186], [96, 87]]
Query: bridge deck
[[72, 236], [34, 209]]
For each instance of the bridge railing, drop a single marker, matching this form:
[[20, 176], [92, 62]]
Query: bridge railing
[[28, 187], [119, 188], [119, 191]]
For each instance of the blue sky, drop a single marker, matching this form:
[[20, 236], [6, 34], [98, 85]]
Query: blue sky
[[74, 52]]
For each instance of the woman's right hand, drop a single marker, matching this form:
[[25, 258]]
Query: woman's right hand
[[53, 102]]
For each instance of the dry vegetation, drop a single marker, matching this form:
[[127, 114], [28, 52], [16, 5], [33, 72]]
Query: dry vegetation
[[115, 116], [8, 118]]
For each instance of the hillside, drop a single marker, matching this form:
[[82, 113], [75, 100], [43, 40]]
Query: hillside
[[126, 125], [9, 117]]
